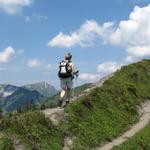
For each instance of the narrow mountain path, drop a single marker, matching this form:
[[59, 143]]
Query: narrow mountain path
[[144, 112], [18, 145], [56, 114]]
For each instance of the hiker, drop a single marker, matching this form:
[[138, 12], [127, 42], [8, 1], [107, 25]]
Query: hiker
[[66, 74]]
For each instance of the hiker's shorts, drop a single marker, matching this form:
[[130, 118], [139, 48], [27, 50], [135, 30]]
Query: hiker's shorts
[[66, 83]]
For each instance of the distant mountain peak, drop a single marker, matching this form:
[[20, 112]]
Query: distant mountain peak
[[43, 88]]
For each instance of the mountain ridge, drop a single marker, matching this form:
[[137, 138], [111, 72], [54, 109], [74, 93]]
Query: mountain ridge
[[13, 97]]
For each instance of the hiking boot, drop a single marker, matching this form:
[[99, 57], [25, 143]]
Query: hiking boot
[[63, 105], [67, 102]]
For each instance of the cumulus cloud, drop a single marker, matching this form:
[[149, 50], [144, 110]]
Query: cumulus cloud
[[34, 63], [86, 35], [7, 55], [88, 77], [37, 64], [134, 34], [108, 67], [12, 7]]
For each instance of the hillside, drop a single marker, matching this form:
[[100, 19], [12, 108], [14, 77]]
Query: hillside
[[91, 120], [21, 98]]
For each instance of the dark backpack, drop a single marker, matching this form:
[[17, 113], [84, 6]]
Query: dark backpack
[[64, 71]]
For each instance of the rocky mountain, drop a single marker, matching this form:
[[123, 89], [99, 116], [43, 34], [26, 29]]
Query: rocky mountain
[[13, 97], [43, 88], [21, 98]]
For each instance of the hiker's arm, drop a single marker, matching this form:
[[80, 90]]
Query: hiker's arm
[[74, 71], [73, 68]]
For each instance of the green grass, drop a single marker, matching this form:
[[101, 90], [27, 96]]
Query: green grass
[[6, 143], [110, 110], [95, 119], [34, 130], [140, 141]]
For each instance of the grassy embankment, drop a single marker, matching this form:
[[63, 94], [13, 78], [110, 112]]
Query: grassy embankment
[[93, 120]]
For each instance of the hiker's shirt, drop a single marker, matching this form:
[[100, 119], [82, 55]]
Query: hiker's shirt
[[72, 67]]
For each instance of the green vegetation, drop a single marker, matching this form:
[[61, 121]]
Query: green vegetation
[[34, 131], [6, 143], [94, 119], [110, 110], [141, 141]]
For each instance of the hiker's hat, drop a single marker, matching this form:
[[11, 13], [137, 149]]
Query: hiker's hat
[[68, 56]]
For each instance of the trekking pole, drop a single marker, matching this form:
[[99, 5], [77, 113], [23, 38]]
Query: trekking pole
[[76, 76]]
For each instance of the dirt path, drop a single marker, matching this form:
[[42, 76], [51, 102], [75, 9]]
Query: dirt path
[[56, 114], [144, 112]]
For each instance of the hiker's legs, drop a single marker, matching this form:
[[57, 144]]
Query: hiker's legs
[[66, 85], [69, 87], [68, 94], [63, 91]]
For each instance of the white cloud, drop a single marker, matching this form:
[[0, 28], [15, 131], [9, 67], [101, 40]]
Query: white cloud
[[88, 77], [7, 55], [34, 63], [86, 35], [108, 68], [12, 7], [134, 34]]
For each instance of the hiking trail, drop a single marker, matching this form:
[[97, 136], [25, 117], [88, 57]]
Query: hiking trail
[[144, 112], [56, 114]]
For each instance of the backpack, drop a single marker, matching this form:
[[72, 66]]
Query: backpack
[[64, 71]]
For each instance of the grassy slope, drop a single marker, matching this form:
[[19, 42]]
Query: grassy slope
[[141, 141], [104, 114], [111, 109], [33, 129]]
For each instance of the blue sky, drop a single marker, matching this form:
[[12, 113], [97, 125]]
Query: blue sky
[[101, 35]]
